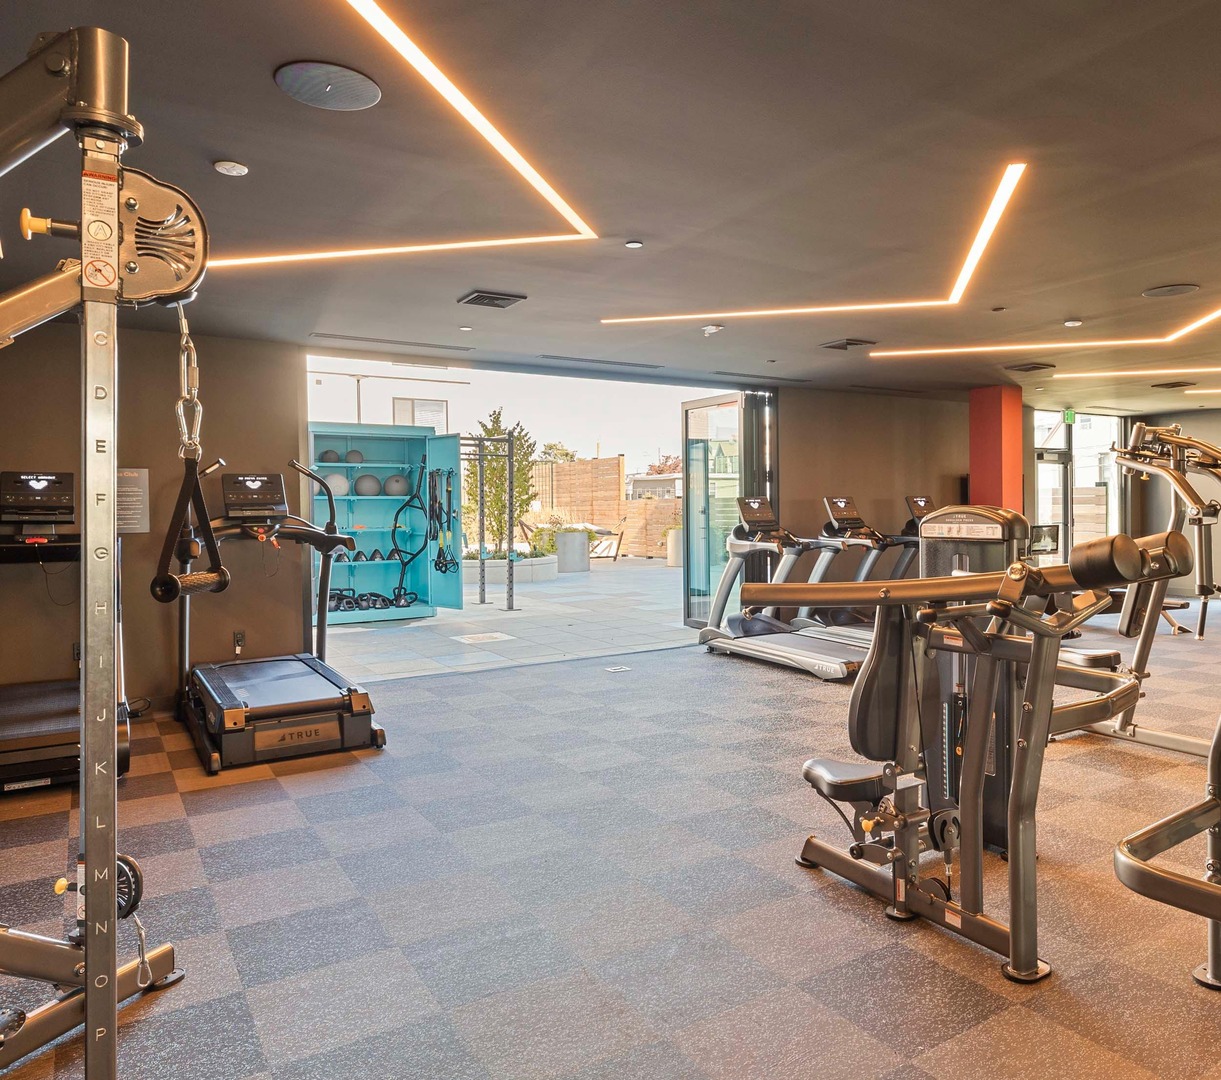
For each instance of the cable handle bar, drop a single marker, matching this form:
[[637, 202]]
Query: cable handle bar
[[1107, 562]]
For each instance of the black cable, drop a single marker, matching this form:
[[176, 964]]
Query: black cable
[[47, 575], [133, 713]]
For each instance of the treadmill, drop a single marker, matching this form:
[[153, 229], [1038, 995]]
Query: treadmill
[[40, 722], [763, 636], [244, 711], [845, 522]]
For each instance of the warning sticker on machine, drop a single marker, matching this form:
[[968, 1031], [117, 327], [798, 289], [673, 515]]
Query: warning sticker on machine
[[99, 228]]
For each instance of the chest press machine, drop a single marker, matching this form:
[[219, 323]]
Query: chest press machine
[[892, 721], [140, 240]]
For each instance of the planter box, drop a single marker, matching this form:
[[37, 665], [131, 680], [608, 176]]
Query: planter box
[[572, 551], [524, 570], [674, 547]]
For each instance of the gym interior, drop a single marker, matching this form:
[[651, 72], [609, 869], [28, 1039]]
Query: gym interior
[[933, 790]]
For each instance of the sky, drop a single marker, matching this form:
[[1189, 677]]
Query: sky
[[593, 417]]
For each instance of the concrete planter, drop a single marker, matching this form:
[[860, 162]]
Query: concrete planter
[[572, 551], [674, 547], [524, 570]]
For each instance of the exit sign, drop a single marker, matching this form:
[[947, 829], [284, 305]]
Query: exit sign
[[1070, 416]]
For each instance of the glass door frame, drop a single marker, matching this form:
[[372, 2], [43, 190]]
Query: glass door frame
[[1062, 457], [757, 452]]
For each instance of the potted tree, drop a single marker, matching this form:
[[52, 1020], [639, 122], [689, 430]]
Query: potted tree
[[674, 544]]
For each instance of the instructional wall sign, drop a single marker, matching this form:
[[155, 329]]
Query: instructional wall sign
[[131, 508]]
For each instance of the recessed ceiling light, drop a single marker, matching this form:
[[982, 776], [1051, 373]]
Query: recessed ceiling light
[[1159, 291], [466, 328], [1040, 387], [230, 168], [1073, 322], [712, 328], [1000, 309], [634, 244], [770, 361]]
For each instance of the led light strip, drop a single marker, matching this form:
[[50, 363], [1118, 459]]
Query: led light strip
[[394, 36], [1115, 343], [1139, 373], [1004, 192]]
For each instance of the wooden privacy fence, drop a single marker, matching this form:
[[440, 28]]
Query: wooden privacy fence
[[592, 490]]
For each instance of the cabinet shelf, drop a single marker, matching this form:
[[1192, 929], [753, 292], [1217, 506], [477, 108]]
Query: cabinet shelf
[[369, 519]]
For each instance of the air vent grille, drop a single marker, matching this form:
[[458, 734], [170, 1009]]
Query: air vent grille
[[607, 363], [1170, 385], [394, 341], [1032, 365], [760, 378], [846, 343], [483, 298]]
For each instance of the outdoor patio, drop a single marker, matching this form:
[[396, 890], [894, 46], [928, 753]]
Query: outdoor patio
[[633, 605]]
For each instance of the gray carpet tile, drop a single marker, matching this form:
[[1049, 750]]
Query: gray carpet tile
[[572, 874]]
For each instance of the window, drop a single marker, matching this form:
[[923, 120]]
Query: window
[[422, 412]]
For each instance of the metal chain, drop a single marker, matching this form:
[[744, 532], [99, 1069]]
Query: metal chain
[[188, 392]]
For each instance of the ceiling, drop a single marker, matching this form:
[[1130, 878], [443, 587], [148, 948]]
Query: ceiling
[[787, 154]]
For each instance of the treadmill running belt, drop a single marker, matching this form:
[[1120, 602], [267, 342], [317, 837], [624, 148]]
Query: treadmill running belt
[[41, 712], [272, 688]]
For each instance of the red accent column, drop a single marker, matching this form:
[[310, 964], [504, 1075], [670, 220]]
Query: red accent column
[[996, 446]]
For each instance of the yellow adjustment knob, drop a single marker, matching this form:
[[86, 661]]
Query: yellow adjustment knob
[[30, 224], [867, 824], [61, 886]]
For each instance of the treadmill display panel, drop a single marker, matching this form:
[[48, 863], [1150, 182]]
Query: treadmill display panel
[[757, 514], [254, 496], [919, 505], [38, 498], [842, 510]]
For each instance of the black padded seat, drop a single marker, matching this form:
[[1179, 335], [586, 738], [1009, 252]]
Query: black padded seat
[[845, 781], [1109, 659]]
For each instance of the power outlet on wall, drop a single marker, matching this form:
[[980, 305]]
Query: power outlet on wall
[[76, 651], [239, 642]]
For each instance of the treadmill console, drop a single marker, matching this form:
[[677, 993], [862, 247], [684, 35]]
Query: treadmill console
[[919, 505], [37, 498], [843, 512], [757, 515], [254, 496]]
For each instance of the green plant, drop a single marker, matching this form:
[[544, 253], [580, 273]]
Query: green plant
[[496, 479]]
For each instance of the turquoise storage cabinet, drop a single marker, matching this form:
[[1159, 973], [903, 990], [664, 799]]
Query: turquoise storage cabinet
[[390, 450]]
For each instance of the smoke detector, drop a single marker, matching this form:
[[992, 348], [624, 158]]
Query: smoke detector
[[712, 328]]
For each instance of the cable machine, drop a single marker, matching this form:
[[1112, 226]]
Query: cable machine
[[139, 240]]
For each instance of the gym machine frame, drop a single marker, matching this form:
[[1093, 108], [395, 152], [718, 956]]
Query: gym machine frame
[[475, 448], [140, 240], [930, 614], [1166, 452]]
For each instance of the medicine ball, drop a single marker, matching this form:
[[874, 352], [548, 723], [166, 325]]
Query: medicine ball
[[396, 485], [353, 457], [338, 483], [329, 455], [368, 484]]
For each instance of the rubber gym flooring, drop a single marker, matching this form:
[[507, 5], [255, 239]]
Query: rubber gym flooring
[[566, 871]]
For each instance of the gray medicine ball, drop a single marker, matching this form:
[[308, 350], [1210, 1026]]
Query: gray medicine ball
[[329, 455], [338, 483], [368, 484], [353, 457], [396, 485]]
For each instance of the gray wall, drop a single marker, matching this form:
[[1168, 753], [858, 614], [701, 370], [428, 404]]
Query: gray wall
[[254, 398], [873, 447], [1150, 499]]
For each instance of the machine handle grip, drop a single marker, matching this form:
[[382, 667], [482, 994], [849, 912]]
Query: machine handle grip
[[169, 587]]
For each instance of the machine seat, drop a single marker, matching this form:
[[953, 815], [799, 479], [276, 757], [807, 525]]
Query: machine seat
[[1107, 659], [845, 781]]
